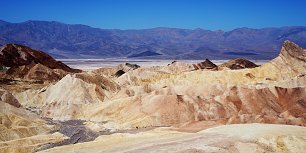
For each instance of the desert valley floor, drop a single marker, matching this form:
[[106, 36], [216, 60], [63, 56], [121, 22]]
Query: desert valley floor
[[92, 64], [235, 106]]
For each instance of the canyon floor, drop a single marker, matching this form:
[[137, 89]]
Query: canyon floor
[[236, 106]]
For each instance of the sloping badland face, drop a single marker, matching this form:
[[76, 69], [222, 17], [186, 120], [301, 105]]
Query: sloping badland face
[[23, 131], [184, 99], [238, 138]]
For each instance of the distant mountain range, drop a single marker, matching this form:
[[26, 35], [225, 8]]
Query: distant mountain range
[[80, 41]]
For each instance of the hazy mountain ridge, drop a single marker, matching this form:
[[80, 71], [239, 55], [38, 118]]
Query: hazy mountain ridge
[[81, 41]]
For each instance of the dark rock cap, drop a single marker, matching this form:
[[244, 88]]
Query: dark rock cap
[[12, 55], [239, 63], [207, 64]]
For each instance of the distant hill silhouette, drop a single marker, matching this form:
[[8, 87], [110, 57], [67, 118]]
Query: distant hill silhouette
[[80, 41], [145, 54]]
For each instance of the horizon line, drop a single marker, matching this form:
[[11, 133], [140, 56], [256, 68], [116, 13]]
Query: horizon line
[[158, 27]]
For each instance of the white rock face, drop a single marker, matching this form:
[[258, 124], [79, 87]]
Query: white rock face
[[69, 94], [71, 90], [63, 100]]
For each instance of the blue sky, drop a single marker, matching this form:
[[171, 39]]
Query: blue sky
[[141, 14]]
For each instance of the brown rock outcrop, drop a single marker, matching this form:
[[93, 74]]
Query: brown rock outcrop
[[239, 63], [29, 64], [123, 68], [100, 80], [107, 71], [116, 71], [207, 64], [12, 55], [35, 71], [8, 98]]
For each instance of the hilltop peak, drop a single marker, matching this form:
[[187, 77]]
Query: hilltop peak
[[292, 50]]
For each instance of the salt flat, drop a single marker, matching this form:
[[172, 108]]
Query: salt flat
[[91, 64]]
